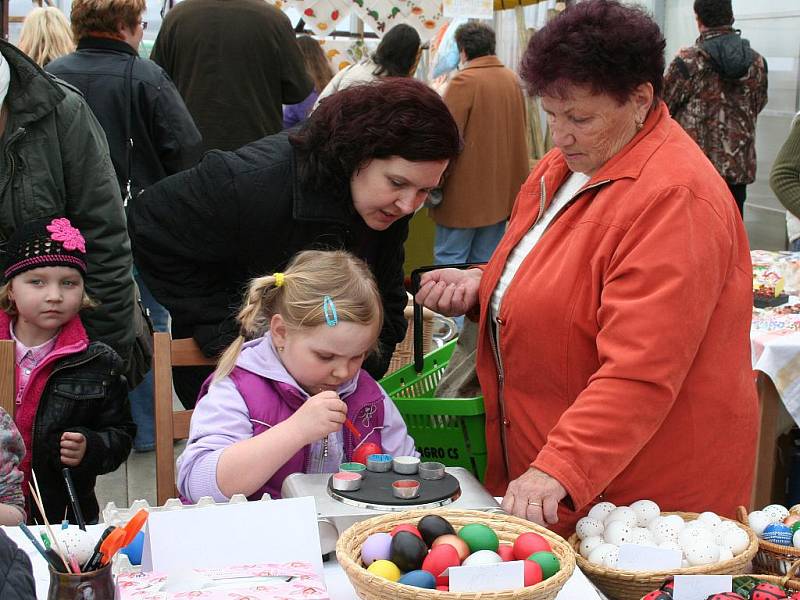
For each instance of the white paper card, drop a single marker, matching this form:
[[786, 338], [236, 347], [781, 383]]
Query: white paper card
[[700, 587], [233, 534], [578, 587], [474, 9], [488, 578], [646, 558]]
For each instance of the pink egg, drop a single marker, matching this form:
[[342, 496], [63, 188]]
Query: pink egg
[[376, 547]]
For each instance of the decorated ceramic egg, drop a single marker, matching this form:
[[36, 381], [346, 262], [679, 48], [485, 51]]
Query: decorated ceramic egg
[[677, 521], [796, 540], [766, 591], [776, 512], [588, 527], [778, 533], [758, 521], [597, 555], [386, 569], [702, 553], [690, 535], [617, 533], [550, 563], [407, 551], [454, 541], [671, 546], [376, 547], [657, 595], [432, 526], [709, 517], [589, 544], [479, 537], [441, 557], [641, 536], [791, 520], [76, 542], [622, 513], [724, 553], [611, 557], [482, 557], [794, 510], [420, 579], [601, 510], [528, 543], [736, 539], [646, 511], [664, 531]]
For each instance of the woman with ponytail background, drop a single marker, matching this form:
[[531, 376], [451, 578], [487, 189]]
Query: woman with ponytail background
[[276, 405]]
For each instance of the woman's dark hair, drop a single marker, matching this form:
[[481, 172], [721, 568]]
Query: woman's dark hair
[[395, 116], [714, 13], [397, 52], [601, 44], [475, 39], [317, 65]]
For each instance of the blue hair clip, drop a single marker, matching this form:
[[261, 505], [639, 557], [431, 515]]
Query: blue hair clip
[[329, 309]]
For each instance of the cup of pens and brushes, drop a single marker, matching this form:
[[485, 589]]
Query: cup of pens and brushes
[[91, 585]]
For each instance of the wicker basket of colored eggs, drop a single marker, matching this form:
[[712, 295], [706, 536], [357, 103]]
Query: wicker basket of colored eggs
[[779, 543], [707, 543], [405, 555], [743, 587]]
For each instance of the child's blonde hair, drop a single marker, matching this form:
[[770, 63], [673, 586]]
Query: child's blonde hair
[[297, 295], [8, 306], [46, 35]]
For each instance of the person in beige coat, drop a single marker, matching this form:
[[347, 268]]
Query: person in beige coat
[[486, 101]]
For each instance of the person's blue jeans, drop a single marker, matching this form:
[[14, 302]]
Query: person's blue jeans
[[141, 398], [468, 245]]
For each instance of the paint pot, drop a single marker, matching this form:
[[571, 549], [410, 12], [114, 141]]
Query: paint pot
[[379, 463], [431, 470], [405, 489], [345, 481], [352, 467], [405, 465]]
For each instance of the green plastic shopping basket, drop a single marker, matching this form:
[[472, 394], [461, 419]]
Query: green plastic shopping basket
[[448, 430]]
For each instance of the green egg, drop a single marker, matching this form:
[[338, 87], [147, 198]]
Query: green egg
[[479, 537], [548, 561], [795, 526]]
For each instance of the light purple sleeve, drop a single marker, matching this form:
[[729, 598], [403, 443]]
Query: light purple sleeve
[[219, 420], [394, 435]]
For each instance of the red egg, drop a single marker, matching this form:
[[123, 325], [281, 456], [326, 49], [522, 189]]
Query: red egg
[[528, 543], [443, 588], [440, 558], [364, 450], [405, 527], [506, 552], [533, 573], [454, 541]]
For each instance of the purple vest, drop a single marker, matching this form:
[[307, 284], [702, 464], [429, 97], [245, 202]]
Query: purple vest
[[271, 402]]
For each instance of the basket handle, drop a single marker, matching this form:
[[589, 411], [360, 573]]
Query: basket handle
[[416, 276], [741, 515], [790, 572]]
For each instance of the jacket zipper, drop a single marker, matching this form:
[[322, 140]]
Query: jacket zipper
[[495, 339], [16, 206]]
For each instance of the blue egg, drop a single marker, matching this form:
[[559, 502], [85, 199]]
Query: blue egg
[[420, 579], [778, 533]]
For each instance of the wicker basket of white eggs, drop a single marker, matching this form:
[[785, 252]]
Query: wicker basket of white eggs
[[779, 541], [707, 543]]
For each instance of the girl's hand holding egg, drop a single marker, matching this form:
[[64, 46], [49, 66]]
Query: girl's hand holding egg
[[320, 415]]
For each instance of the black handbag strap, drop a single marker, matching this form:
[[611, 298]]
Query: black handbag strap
[[128, 137]]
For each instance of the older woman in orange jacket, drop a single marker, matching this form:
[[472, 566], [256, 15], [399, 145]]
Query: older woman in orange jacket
[[614, 316]]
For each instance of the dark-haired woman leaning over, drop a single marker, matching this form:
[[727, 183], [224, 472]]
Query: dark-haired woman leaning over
[[348, 179], [614, 350]]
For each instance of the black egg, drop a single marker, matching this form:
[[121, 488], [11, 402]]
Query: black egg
[[432, 526], [407, 551]]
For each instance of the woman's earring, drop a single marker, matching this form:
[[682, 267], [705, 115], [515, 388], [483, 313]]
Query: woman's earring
[[280, 348]]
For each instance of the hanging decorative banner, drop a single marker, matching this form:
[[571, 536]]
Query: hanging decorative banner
[[320, 16], [341, 53], [425, 16]]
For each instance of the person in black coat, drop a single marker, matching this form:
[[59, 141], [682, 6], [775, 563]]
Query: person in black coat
[[348, 179], [16, 574]]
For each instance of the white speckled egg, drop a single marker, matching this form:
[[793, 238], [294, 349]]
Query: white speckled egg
[[622, 513], [685, 564], [598, 554], [588, 527], [691, 536], [665, 532], [646, 511], [671, 546], [601, 510], [611, 557], [737, 540], [724, 553], [776, 512], [676, 520], [758, 521], [796, 539], [76, 542], [617, 533], [709, 517], [655, 523], [702, 553], [590, 544], [641, 536]]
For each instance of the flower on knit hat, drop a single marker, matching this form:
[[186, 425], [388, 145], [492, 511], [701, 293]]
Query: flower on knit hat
[[62, 231]]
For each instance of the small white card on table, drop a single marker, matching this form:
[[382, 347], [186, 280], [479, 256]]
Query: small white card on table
[[646, 558], [700, 587], [488, 578]]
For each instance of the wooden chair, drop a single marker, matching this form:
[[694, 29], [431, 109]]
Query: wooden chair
[[170, 425], [8, 388]]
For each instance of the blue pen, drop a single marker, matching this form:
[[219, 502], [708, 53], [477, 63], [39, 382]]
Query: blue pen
[[39, 548]]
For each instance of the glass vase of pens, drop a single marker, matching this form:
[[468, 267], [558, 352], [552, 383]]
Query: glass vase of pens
[[91, 585]]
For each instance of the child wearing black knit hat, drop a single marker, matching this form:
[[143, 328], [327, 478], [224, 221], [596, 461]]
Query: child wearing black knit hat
[[71, 398]]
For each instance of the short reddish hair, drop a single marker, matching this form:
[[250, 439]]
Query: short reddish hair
[[392, 116], [104, 16], [600, 44]]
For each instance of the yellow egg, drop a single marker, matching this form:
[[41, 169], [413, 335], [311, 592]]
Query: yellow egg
[[386, 569], [795, 510]]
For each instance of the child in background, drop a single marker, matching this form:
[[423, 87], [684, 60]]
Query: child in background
[[319, 70], [12, 501], [276, 405], [72, 400], [46, 35]]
